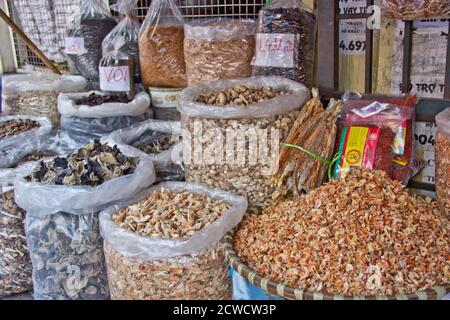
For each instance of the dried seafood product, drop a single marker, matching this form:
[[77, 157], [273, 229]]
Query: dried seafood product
[[416, 9], [443, 161], [35, 156], [218, 49], [161, 51], [15, 263], [14, 127], [285, 42], [94, 99], [239, 95], [314, 131], [360, 235], [172, 249], [244, 171], [163, 143], [92, 165]]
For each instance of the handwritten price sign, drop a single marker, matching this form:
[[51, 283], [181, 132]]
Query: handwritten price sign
[[74, 45], [275, 50], [115, 78]]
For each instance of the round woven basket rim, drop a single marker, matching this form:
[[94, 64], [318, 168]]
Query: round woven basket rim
[[290, 293]]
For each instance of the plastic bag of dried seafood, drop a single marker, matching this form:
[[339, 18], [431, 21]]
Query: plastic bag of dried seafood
[[158, 139], [19, 130], [245, 171], [443, 161], [416, 9], [15, 263], [36, 93], [85, 123], [157, 267], [62, 229]]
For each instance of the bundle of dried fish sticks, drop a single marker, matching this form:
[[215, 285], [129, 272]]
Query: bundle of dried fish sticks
[[314, 131]]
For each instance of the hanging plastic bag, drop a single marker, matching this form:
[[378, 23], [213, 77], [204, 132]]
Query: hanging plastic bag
[[285, 41], [36, 93], [85, 33], [443, 161], [84, 123], [33, 129], [62, 230], [218, 49], [120, 60], [161, 46], [159, 140], [136, 263]]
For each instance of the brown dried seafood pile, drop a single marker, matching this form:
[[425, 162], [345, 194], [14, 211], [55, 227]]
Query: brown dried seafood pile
[[163, 143], [14, 127], [171, 214], [91, 166], [239, 95], [94, 99], [36, 156], [360, 235], [315, 131]]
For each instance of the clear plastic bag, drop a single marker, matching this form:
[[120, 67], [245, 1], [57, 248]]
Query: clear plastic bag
[[184, 268], [285, 41], [86, 129], [36, 93], [121, 44], [161, 46], [150, 132], [218, 49], [443, 161], [204, 124], [29, 136], [416, 9], [85, 32], [62, 231]]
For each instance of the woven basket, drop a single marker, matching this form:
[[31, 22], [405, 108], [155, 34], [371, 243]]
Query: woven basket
[[406, 10], [289, 293]]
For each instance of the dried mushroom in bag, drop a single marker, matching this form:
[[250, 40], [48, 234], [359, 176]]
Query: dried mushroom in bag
[[161, 46]]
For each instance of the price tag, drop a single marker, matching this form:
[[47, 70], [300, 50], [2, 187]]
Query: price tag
[[424, 143], [74, 45], [275, 50], [115, 78]]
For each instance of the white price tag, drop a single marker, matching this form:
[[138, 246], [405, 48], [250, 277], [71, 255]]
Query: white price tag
[[115, 78], [74, 45], [424, 143], [275, 50]]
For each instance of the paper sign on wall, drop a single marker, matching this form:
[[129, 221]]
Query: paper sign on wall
[[115, 78], [74, 45], [275, 50]]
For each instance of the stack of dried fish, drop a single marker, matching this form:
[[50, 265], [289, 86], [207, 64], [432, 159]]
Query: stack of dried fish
[[315, 131]]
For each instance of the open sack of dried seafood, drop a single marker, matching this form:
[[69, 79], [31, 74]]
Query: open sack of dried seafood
[[361, 236], [36, 94], [166, 243], [443, 161], [62, 198], [416, 9], [15, 263], [18, 130], [160, 140], [232, 131], [94, 114]]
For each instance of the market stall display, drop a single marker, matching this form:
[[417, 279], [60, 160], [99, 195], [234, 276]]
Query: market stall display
[[416, 9], [285, 41], [89, 115], [17, 130], [119, 66], [167, 245], [85, 33], [443, 161], [157, 139], [218, 49], [62, 198], [358, 236], [207, 126], [307, 156], [36, 94], [161, 46]]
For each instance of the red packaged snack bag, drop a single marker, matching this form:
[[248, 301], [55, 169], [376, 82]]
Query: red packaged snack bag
[[375, 135]]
